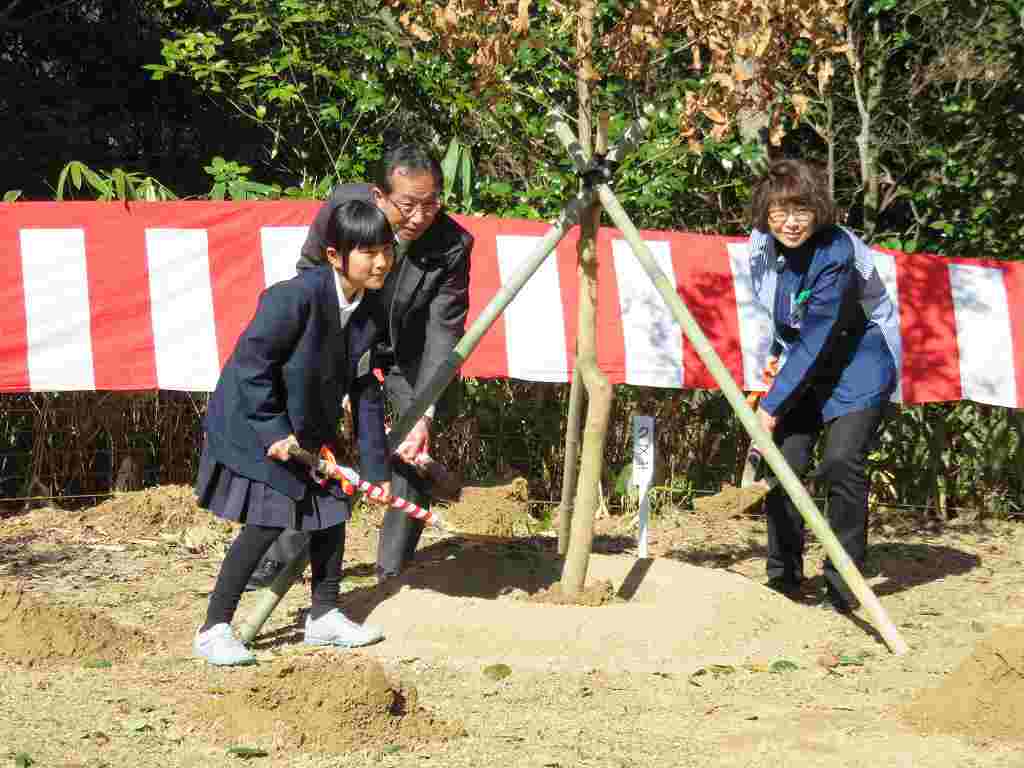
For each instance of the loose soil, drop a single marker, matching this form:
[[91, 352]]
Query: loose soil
[[592, 595], [35, 631], [498, 510], [731, 501], [682, 659], [984, 696], [326, 704]]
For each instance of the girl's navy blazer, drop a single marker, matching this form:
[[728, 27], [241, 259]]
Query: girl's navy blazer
[[288, 374]]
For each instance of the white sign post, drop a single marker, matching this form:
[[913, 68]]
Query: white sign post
[[643, 473]]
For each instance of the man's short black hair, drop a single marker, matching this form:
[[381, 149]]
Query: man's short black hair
[[412, 157], [356, 224]]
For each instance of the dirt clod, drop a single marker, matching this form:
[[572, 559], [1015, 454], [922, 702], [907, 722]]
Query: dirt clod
[[597, 593], [326, 703]]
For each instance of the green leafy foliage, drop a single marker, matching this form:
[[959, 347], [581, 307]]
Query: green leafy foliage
[[323, 80], [231, 179], [116, 184]]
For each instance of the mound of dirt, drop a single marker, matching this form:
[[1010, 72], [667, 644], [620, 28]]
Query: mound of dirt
[[163, 510], [499, 510], [32, 631], [665, 616], [327, 703], [984, 696], [730, 501]]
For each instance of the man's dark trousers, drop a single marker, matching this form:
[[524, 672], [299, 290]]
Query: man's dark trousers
[[399, 533]]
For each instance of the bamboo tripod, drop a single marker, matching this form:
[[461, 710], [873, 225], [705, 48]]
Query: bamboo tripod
[[596, 188]]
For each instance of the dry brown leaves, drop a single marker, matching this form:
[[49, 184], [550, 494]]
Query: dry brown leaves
[[745, 47]]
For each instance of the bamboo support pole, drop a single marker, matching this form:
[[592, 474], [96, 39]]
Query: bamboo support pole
[[772, 455], [272, 596]]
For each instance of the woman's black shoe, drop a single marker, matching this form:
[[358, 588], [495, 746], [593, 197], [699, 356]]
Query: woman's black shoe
[[785, 586]]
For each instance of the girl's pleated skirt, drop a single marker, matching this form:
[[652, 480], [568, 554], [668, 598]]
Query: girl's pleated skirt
[[234, 497]]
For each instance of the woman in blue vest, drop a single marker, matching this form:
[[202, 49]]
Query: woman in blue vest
[[835, 346], [309, 344]]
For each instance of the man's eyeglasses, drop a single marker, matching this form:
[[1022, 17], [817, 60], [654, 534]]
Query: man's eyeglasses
[[410, 207], [780, 215]]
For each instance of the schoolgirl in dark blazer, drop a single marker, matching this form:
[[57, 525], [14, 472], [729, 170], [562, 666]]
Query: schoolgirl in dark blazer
[[309, 345]]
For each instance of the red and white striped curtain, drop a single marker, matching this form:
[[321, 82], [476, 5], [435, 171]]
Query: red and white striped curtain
[[103, 296]]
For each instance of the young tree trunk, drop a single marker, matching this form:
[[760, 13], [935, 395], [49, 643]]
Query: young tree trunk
[[867, 87], [570, 469], [599, 390]]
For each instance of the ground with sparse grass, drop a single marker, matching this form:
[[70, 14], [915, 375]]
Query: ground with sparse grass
[[685, 660]]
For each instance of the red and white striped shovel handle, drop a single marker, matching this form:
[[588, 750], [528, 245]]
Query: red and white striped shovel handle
[[325, 466]]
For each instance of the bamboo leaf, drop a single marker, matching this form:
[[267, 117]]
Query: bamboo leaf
[[450, 166], [60, 181], [120, 184], [467, 177]]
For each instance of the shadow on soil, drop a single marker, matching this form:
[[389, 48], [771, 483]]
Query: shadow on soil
[[720, 555], [904, 566], [17, 560], [455, 567]]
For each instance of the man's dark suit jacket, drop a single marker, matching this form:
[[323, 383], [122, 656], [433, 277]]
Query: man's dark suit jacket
[[425, 298], [288, 374]]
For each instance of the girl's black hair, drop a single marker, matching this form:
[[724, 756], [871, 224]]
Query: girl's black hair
[[356, 224]]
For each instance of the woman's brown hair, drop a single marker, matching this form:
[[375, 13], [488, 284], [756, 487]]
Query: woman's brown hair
[[792, 182]]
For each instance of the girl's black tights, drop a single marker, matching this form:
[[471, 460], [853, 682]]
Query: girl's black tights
[[326, 550]]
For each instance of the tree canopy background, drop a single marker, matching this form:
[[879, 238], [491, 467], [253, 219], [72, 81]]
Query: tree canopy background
[[917, 109]]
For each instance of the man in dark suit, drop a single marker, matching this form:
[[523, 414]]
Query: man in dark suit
[[424, 300]]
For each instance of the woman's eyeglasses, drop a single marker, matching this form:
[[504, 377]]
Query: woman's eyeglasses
[[780, 215]]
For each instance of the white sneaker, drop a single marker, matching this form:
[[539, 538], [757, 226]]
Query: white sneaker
[[334, 628], [219, 646]]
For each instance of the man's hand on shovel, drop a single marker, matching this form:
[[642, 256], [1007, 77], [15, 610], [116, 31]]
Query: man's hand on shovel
[[415, 451]]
